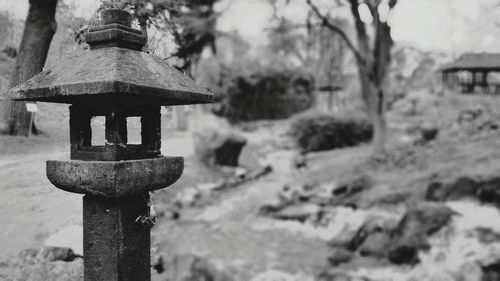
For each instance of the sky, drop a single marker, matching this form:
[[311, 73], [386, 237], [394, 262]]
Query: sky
[[442, 25]]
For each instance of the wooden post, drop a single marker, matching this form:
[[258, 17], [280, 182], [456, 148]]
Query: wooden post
[[484, 81], [473, 83]]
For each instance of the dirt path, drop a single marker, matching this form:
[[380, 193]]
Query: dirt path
[[31, 207]]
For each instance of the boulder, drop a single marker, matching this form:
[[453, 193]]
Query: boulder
[[218, 147], [417, 224]]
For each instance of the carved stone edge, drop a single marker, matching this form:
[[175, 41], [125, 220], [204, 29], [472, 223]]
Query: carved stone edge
[[115, 179]]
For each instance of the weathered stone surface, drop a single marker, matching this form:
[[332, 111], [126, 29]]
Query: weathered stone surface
[[112, 73], [116, 36], [115, 179], [215, 146], [116, 244], [120, 16]]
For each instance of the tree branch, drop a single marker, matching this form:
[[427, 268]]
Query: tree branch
[[326, 22], [363, 40]]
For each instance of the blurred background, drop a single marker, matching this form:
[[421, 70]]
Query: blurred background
[[348, 140]]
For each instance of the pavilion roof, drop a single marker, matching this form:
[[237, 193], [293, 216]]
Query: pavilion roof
[[474, 61]]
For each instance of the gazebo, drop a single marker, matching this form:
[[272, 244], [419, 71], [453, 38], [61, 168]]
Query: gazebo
[[471, 70]]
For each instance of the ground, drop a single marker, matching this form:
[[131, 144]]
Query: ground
[[227, 229]]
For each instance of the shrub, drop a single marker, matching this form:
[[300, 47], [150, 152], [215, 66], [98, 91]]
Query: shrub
[[266, 95], [317, 132]]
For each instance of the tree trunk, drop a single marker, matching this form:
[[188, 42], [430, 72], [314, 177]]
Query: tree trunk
[[38, 31], [377, 109], [373, 97]]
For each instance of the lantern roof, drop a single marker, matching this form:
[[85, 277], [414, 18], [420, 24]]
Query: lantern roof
[[114, 69]]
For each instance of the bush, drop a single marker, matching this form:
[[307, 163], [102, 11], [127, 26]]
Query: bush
[[266, 95], [317, 132]]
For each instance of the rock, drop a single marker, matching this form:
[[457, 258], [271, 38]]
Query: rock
[[343, 240], [215, 146], [299, 212], [258, 173], [353, 185], [376, 245], [413, 230], [339, 256], [289, 194], [334, 276], [372, 227], [323, 193], [347, 192], [463, 187], [192, 268], [42, 264], [188, 197], [429, 134], [56, 254], [53, 271], [68, 237], [486, 189], [271, 207], [487, 235], [491, 272], [393, 198], [158, 264], [489, 191], [276, 275]]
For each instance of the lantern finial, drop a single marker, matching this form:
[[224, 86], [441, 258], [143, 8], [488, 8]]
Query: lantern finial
[[115, 31]]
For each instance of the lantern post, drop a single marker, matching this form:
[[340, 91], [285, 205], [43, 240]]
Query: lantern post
[[114, 79]]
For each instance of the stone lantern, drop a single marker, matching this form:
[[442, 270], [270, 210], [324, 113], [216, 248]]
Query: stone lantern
[[116, 80]]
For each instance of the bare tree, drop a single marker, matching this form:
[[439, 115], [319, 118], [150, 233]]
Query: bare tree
[[373, 56], [39, 30]]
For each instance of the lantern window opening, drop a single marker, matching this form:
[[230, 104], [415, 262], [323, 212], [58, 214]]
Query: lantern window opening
[[134, 129], [97, 128]]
